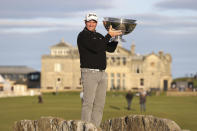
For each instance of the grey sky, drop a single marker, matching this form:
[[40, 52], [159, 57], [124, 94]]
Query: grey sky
[[178, 4], [48, 8], [29, 28]]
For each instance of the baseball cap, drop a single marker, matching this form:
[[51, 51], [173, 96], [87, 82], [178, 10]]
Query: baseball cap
[[91, 16]]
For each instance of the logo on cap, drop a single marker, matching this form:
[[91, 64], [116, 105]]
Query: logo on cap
[[91, 16]]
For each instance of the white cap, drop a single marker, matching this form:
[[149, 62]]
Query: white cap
[[91, 16]]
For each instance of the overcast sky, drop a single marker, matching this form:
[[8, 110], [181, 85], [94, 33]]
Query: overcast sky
[[29, 28]]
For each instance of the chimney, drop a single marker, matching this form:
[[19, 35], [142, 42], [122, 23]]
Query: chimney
[[160, 53], [133, 48]]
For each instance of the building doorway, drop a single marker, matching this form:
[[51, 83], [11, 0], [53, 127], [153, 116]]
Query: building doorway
[[165, 85]]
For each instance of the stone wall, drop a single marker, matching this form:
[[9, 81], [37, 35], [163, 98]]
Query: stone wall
[[140, 123], [53, 124], [127, 123]]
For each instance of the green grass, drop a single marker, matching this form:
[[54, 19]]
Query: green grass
[[183, 110]]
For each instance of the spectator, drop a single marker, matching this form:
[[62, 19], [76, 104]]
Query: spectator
[[143, 101], [129, 97], [40, 100]]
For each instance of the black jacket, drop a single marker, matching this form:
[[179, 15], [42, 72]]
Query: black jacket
[[92, 48]]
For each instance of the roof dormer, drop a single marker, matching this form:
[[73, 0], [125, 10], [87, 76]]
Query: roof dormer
[[61, 49]]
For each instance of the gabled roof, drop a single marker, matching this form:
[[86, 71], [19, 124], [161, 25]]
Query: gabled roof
[[61, 44], [152, 54], [138, 57], [15, 70], [121, 51]]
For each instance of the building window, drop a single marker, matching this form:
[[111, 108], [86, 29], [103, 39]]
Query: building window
[[54, 52], [58, 80], [123, 75], [112, 81], [113, 59], [112, 74], [138, 70], [118, 60], [66, 87], [34, 77], [142, 82], [112, 84], [65, 52], [123, 84], [152, 64], [1, 88], [123, 81], [124, 61], [118, 81], [57, 67], [49, 87], [59, 52], [80, 81]]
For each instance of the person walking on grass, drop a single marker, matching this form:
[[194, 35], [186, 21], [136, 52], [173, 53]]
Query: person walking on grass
[[40, 99], [129, 97], [143, 101]]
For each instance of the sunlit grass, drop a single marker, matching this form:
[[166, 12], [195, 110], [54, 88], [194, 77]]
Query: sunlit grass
[[183, 110]]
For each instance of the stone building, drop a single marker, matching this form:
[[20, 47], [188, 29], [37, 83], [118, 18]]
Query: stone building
[[126, 69], [60, 69]]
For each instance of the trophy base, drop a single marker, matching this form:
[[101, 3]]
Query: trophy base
[[118, 39]]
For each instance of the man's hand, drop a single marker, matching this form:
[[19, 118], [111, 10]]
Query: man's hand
[[114, 32]]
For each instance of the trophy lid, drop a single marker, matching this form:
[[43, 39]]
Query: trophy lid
[[121, 20]]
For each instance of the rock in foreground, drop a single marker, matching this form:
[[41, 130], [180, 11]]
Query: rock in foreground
[[140, 123], [53, 124], [128, 123]]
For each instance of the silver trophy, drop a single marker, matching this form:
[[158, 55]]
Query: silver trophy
[[125, 25]]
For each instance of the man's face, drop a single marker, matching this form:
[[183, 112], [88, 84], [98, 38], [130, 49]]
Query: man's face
[[91, 25]]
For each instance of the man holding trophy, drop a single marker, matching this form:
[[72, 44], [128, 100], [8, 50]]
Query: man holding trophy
[[92, 48]]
